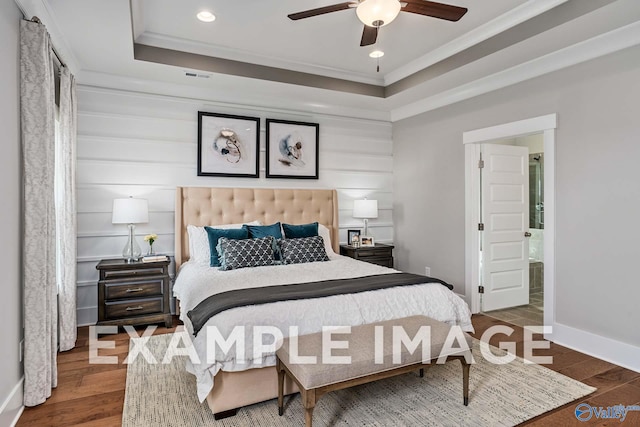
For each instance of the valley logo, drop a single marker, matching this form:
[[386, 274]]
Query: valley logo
[[584, 412]]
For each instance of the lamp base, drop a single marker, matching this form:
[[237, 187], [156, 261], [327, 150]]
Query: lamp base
[[131, 251], [366, 227]]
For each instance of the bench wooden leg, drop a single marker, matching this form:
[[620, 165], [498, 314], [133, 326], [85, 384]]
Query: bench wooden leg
[[309, 402], [225, 414], [465, 380], [308, 417], [280, 387], [421, 372]]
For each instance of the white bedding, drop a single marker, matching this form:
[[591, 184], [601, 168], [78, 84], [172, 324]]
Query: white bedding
[[196, 282]]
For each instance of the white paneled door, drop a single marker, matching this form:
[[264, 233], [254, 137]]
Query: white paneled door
[[505, 215]]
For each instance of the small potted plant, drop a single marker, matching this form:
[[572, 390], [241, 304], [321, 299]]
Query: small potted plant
[[151, 238]]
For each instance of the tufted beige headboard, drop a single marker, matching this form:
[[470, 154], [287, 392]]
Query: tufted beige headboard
[[202, 206]]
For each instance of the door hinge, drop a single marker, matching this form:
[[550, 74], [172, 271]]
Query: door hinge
[[481, 289], [480, 163], [481, 226]]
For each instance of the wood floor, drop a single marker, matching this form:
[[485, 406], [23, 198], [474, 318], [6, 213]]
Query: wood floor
[[93, 395], [531, 314], [524, 315]]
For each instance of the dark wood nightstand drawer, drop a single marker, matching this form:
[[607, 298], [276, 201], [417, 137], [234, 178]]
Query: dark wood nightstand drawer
[[133, 288], [380, 254], [374, 253], [133, 307], [383, 261], [135, 272]]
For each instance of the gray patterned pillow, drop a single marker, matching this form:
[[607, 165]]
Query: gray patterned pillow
[[245, 253], [306, 249]]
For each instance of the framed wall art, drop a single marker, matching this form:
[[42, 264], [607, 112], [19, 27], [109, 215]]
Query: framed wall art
[[292, 149], [228, 145]]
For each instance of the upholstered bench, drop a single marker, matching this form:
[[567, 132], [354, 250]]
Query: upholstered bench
[[316, 379]]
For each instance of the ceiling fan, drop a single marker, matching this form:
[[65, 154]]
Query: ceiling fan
[[378, 13]]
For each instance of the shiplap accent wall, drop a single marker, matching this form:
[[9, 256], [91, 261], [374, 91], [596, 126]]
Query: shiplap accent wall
[[144, 145]]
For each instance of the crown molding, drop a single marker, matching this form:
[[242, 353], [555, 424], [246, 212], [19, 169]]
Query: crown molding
[[196, 61], [216, 51], [595, 47], [510, 19]]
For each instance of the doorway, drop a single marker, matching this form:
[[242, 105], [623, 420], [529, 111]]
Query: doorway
[[511, 247], [473, 141]]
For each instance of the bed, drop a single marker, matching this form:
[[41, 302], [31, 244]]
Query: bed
[[229, 381]]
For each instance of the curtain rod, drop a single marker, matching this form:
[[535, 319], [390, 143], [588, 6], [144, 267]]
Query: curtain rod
[[55, 52]]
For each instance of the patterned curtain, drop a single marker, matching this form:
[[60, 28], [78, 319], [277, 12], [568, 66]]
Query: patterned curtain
[[65, 173], [39, 246]]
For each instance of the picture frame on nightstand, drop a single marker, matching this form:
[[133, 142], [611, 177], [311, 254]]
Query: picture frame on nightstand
[[367, 241], [351, 234]]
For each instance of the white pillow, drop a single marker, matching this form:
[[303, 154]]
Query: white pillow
[[326, 236], [199, 249]]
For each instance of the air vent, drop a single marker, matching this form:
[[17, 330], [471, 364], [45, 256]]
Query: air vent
[[201, 76]]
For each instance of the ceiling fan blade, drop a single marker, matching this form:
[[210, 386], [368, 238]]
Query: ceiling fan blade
[[435, 10], [369, 35], [320, 11]]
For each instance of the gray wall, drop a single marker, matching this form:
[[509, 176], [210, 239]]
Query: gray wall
[[597, 187], [10, 218]]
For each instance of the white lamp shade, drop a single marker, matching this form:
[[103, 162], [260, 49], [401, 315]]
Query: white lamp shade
[[378, 13], [130, 211], [365, 208]]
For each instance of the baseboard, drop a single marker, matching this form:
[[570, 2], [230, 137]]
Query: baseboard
[[86, 315], [12, 407], [617, 352]]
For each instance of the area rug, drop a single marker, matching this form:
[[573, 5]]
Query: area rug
[[500, 395]]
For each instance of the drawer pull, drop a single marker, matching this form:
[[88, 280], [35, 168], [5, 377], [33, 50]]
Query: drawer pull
[[135, 308], [134, 290]]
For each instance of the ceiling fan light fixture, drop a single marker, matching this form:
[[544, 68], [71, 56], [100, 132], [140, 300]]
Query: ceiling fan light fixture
[[376, 54], [206, 16], [378, 13]]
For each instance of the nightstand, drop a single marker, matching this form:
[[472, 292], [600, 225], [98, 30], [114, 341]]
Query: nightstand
[[133, 293], [379, 254]]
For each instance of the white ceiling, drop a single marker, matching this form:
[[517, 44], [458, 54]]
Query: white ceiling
[[428, 63], [260, 32]]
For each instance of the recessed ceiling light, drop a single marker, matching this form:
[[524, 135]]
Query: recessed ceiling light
[[206, 16], [376, 54]]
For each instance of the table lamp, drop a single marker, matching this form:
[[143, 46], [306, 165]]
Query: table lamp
[[130, 211], [365, 209]]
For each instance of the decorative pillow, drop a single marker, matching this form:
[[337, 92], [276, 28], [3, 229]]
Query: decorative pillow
[[199, 250], [258, 231], [326, 236], [246, 253], [300, 231], [306, 249], [216, 234]]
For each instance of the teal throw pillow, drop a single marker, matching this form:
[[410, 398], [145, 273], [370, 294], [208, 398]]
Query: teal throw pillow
[[260, 231], [215, 234], [300, 231]]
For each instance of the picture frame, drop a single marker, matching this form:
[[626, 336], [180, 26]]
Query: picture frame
[[292, 149], [228, 145], [367, 241], [350, 234]]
